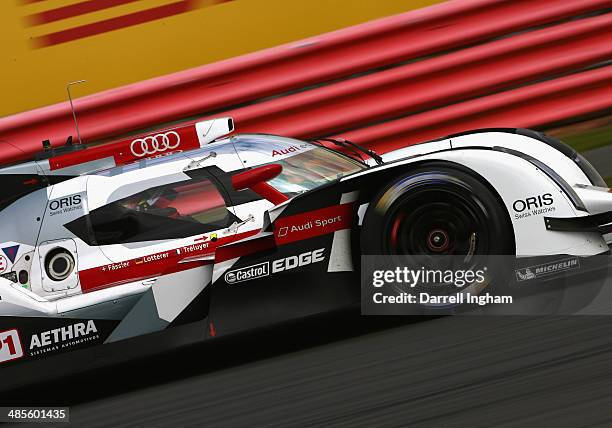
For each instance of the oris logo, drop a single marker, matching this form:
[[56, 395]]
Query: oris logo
[[67, 202], [533, 202], [153, 144]]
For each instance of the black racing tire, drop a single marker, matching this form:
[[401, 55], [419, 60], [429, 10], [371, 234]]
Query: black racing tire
[[436, 196], [441, 209]]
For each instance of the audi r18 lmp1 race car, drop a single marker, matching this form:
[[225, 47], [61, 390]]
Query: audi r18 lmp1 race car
[[189, 224]]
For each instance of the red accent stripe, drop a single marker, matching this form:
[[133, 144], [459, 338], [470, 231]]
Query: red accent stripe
[[313, 223], [73, 10], [115, 23], [269, 192], [121, 150], [213, 332], [97, 279], [241, 249], [152, 265]]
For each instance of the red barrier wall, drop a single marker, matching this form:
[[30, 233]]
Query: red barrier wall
[[358, 98], [547, 102], [432, 83]]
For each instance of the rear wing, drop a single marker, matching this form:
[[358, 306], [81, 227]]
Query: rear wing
[[152, 145]]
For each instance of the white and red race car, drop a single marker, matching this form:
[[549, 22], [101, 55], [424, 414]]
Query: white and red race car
[[190, 224]]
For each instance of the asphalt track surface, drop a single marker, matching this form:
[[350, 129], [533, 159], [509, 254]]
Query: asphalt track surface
[[347, 370]]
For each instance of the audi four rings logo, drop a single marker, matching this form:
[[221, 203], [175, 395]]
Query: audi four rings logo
[[155, 144]]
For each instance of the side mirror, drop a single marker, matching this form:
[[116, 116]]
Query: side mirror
[[255, 179], [209, 130]]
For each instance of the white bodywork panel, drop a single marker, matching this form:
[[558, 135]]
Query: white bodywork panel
[[517, 179], [209, 130], [513, 178]]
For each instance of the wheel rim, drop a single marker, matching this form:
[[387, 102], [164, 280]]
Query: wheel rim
[[438, 228], [437, 222]]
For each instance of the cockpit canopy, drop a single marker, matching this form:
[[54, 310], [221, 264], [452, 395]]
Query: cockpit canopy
[[305, 165]]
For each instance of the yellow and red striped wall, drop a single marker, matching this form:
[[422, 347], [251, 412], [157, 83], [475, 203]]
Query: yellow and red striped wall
[[48, 43]]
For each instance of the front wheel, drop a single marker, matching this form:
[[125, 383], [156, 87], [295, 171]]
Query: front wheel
[[437, 210], [441, 218]]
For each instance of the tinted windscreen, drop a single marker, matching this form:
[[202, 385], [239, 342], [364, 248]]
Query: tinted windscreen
[[312, 168]]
